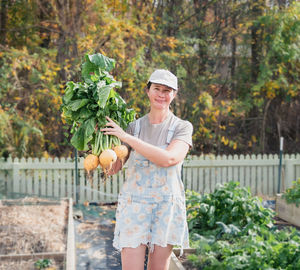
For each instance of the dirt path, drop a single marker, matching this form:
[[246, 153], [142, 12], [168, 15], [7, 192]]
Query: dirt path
[[94, 228]]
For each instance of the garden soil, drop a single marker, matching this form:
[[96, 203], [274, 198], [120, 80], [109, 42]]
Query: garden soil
[[30, 226]]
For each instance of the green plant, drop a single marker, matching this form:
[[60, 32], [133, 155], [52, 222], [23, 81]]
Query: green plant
[[229, 209], [292, 195], [87, 103], [43, 263], [231, 230]]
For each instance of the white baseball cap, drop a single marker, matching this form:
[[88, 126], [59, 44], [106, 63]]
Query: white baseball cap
[[165, 77]]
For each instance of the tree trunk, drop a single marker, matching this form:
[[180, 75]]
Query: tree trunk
[[45, 10], [233, 55], [69, 23], [3, 19], [263, 128], [201, 9], [256, 37]]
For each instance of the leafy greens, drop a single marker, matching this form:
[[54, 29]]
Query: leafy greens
[[86, 103]]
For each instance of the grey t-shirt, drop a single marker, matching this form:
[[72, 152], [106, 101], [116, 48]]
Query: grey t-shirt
[[156, 134]]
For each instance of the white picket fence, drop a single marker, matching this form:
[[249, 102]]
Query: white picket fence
[[56, 177]]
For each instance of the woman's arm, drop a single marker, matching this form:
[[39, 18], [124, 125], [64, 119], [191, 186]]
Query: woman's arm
[[173, 154]]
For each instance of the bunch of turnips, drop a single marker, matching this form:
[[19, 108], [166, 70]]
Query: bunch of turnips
[[86, 105]]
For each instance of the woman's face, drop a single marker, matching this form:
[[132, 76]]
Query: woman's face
[[160, 96]]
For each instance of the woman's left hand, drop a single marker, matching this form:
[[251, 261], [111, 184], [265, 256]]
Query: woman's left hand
[[114, 129]]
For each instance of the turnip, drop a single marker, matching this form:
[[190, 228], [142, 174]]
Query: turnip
[[107, 158], [90, 163], [121, 152]]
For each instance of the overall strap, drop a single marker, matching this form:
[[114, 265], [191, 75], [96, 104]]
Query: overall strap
[[137, 128], [171, 130]]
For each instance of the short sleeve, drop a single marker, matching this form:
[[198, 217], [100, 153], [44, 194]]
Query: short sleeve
[[130, 128], [184, 132]]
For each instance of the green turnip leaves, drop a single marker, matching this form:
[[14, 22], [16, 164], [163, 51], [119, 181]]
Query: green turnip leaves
[[87, 103]]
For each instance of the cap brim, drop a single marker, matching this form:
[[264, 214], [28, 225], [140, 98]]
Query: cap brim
[[163, 82]]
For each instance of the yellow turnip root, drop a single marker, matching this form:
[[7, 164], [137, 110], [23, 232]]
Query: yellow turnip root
[[107, 158], [121, 151], [90, 163]]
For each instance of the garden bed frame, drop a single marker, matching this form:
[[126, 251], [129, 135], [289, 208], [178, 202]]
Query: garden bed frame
[[68, 256], [288, 212], [175, 263]]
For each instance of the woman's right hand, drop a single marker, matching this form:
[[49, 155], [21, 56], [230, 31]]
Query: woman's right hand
[[113, 128]]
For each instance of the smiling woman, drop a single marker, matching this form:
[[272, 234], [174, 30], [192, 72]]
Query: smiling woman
[[151, 206]]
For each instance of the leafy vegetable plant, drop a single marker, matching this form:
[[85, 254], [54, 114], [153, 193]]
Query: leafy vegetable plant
[[229, 208], [86, 105], [43, 263], [292, 195], [231, 230]]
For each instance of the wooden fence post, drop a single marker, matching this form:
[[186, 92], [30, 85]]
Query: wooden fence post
[[289, 173], [16, 178]]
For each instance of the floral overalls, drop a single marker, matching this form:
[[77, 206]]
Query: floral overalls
[[151, 205]]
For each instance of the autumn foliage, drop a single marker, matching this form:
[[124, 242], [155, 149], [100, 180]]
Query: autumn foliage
[[237, 64]]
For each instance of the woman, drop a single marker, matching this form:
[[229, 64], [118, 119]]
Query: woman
[[151, 205]]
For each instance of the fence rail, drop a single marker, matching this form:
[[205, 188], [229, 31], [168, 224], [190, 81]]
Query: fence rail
[[56, 177]]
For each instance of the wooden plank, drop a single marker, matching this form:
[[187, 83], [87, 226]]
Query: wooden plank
[[207, 187], [60, 183], [16, 178], [71, 251], [224, 175], [242, 176], [236, 176], [68, 184], [258, 190], [184, 177], [220, 163], [195, 184], [49, 255], [289, 173], [88, 187], [175, 264], [214, 175], [265, 180], [101, 188], [271, 177], [49, 181], [36, 182], [2, 183], [287, 212], [230, 169], [108, 189], [189, 177], [201, 180], [247, 177], [121, 176], [82, 196], [29, 179], [23, 177], [94, 187], [115, 184]]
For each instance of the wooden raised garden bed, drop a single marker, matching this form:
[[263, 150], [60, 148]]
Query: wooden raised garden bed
[[287, 212], [33, 229], [180, 263]]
